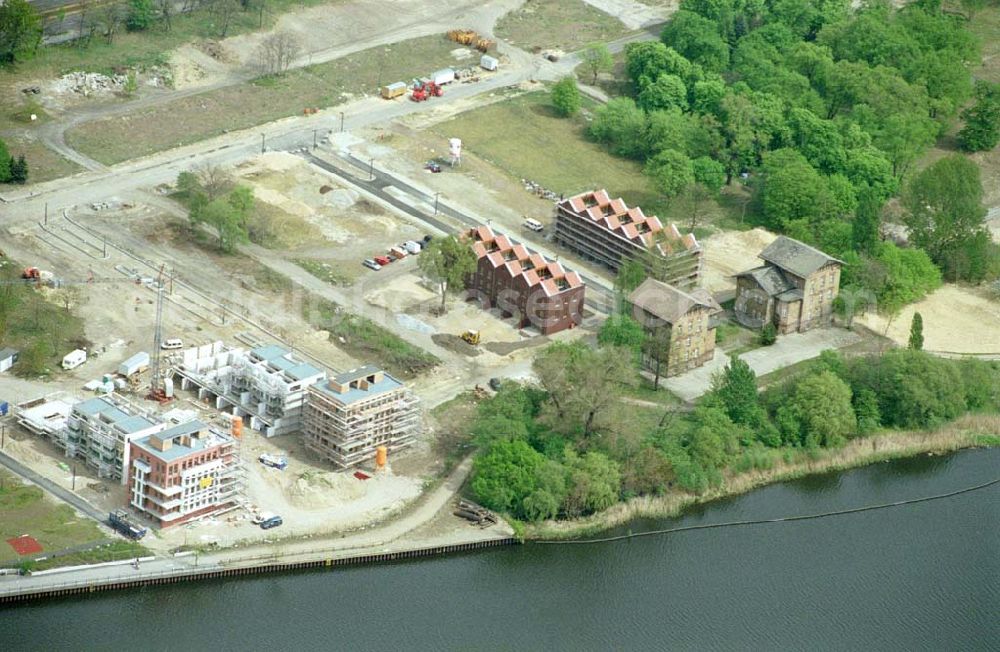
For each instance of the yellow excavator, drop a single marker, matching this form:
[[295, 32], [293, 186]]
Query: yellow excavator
[[472, 337]]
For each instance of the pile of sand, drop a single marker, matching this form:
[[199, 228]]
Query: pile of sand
[[322, 490], [729, 253]]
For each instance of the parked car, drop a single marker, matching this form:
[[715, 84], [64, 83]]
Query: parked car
[[172, 343], [495, 384], [427, 239], [383, 260], [268, 523], [371, 264], [433, 166], [534, 225], [412, 246]]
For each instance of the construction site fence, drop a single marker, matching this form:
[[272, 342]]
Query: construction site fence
[[250, 566]]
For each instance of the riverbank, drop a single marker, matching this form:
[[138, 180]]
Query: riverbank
[[970, 431]]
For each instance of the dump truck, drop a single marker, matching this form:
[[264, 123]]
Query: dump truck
[[122, 523], [472, 337]]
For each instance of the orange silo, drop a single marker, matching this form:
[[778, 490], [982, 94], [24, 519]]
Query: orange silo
[[237, 427], [381, 457]]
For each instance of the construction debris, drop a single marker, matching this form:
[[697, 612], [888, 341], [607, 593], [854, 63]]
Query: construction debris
[[540, 191], [89, 83]]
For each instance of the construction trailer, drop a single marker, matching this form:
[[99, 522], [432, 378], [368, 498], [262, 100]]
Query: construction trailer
[[267, 383], [350, 416], [7, 358], [609, 232], [394, 90]]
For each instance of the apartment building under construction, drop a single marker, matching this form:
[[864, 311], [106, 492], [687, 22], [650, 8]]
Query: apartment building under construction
[[99, 431], [608, 231], [184, 472], [352, 414], [267, 384]]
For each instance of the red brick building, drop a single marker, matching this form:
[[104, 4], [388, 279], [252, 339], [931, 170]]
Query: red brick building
[[183, 472], [524, 285]]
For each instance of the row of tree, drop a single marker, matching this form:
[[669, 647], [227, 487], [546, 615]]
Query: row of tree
[[214, 201], [557, 450], [12, 170]]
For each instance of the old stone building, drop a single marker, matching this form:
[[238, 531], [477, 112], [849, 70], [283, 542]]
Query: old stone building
[[794, 289], [680, 322]]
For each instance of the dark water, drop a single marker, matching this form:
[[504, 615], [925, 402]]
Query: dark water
[[919, 577]]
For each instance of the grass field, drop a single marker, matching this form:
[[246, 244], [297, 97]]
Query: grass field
[[36, 322], [43, 163], [113, 551], [192, 119], [25, 510], [566, 25], [365, 340], [525, 138]]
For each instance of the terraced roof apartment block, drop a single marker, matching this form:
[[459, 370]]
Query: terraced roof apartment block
[[100, 430], [523, 284], [350, 415], [266, 383], [184, 472], [607, 231]]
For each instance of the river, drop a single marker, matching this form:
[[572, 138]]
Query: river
[[918, 577]]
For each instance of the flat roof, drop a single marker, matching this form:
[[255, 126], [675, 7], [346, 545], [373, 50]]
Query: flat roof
[[108, 411], [282, 359], [178, 450], [354, 394]]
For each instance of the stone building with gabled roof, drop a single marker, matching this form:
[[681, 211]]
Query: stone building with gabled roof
[[794, 289], [523, 284], [608, 231], [688, 319]]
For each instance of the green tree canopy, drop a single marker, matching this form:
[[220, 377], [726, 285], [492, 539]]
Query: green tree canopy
[[20, 31], [566, 97], [671, 171], [916, 332], [448, 262], [982, 120], [597, 59]]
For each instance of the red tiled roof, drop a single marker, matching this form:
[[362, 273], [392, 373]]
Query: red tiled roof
[[631, 223], [550, 275]]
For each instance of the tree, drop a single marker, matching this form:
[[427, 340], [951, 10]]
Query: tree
[[671, 171], [737, 389], [982, 120], [20, 31], [19, 170], [866, 411], [141, 14], [111, 20], [5, 161], [583, 384], [276, 53], [566, 97], [597, 59], [656, 350], [228, 217], [667, 92], [506, 475], [768, 334], [622, 126], [916, 333], [867, 219], [822, 404], [621, 330], [594, 483], [448, 262], [631, 274], [224, 10], [945, 211], [697, 39]]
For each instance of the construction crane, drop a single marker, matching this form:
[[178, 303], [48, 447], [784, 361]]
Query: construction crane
[[156, 389]]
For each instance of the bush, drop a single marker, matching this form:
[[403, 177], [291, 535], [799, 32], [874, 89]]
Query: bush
[[566, 97], [768, 335]]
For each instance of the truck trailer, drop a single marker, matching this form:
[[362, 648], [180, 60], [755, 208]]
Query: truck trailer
[[123, 524]]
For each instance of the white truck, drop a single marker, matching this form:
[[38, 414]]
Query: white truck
[[74, 359], [443, 76]]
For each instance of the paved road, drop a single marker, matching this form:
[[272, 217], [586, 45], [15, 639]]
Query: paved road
[[59, 492]]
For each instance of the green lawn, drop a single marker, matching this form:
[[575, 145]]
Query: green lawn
[[192, 119], [525, 138], [566, 25], [25, 510]]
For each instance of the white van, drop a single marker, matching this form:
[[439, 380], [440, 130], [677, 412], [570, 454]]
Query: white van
[[534, 225], [172, 343]]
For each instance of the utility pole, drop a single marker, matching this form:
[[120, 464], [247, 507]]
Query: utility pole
[[262, 143], [436, 195], [73, 488], [3, 434], [341, 122], [314, 139], [46, 212], [371, 170]]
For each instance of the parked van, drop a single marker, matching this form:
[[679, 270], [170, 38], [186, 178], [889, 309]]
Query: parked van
[[172, 343], [534, 225]]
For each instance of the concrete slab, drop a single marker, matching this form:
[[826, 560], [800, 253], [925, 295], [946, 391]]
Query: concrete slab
[[788, 350]]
